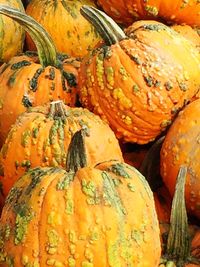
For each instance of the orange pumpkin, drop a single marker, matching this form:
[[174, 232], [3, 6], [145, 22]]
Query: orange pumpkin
[[12, 34], [181, 146], [71, 32], [86, 216], [179, 11], [41, 136], [30, 80], [137, 82]]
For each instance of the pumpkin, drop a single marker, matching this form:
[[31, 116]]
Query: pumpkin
[[30, 79], [182, 248], [71, 32], [41, 137], [85, 216], [12, 34], [138, 81], [179, 11], [181, 146]]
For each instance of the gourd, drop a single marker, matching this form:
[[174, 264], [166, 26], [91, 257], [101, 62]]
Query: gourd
[[33, 79], [71, 32], [41, 137], [85, 216], [128, 11], [181, 147], [137, 81]]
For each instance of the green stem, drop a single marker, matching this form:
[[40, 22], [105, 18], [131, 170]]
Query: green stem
[[110, 32], [76, 155], [57, 110], [45, 47], [178, 243]]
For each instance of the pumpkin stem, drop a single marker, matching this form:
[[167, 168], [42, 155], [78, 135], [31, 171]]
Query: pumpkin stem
[[76, 156], [110, 32], [178, 243], [57, 109], [45, 47]]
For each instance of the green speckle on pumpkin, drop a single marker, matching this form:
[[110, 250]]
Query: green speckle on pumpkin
[[152, 10], [69, 206], [23, 216], [131, 187], [118, 169], [65, 182], [26, 138], [53, 241]]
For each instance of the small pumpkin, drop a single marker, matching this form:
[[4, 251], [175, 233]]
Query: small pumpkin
[[128, 11], [71, 32], [86, 216], [181, 147], [30, 79], [12, 34], [138, 81], [41, 137]]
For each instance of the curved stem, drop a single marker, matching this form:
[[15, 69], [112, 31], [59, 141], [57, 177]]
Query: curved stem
[[76, 155], [178, 243], [45, 47], [110, 32]]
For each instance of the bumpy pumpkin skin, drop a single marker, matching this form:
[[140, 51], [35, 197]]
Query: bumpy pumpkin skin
[[12, 34], [181, 147], [101, 217], [39, 138], [139, 83], [70, 31], [25, 83], [128, 11]]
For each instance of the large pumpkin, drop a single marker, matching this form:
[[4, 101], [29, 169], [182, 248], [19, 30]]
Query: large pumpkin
[[182, 146], [41, 137], [30, 80], [12, 34], [71, 32], [179, 11], [101, 216], [138, 81]]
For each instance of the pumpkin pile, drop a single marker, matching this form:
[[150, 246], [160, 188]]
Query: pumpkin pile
[[99, 133]]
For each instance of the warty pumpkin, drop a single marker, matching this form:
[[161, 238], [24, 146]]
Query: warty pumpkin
[[41, 137], [101, 216], [128, 11], [30, 79], [182, 146], [71, 32], [138, 81], [12, 34]]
